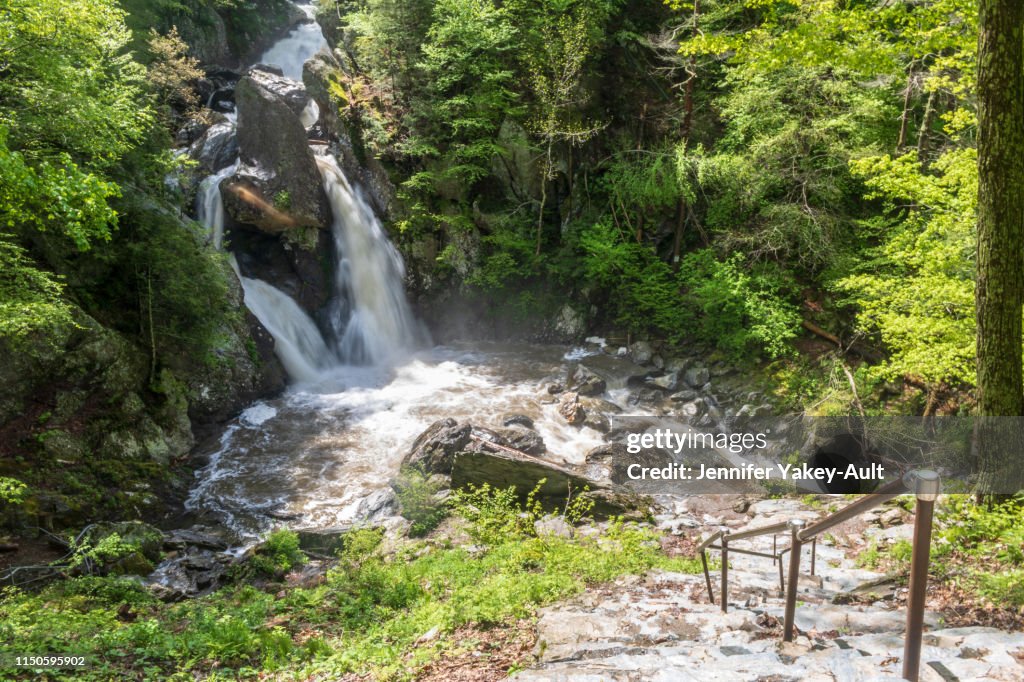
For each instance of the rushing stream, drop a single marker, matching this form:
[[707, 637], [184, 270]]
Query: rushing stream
[[323, 453]]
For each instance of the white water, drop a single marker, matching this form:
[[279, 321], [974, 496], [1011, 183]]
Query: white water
[[323, 455], [210, 204], [370, 276], [301, 43], [297, 341]]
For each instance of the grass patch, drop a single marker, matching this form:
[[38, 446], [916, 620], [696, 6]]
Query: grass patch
[[980, 548]]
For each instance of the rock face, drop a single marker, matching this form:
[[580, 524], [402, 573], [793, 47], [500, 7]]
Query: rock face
[[278, 186], [89, 395], [325, 78], [245, 367]]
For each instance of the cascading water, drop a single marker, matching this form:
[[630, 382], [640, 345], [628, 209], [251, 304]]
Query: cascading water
[[370, 277], [210, 204], [297, 341], [302, 42], [323, 453]]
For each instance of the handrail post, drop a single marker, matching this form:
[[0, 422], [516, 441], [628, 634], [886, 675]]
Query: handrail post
[[707, 574], [926, 488], [795, 526], [725, 570]]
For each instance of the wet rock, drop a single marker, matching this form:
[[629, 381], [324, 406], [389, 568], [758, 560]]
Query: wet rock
[[666, 382], [523, 439], [190, 132], [517, 420], [192, 574], [278, 186], [683, 396], [645, 396], [433, 450], [696, 377], [196, 536], [586, 382], [216, 149], [270, 79], [570, 408], [641, 352], [693, 409]]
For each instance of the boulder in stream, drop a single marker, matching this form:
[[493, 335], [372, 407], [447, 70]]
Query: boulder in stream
[[586, 382], [570, 408], [278, 186], [502, 469], [434, 450]]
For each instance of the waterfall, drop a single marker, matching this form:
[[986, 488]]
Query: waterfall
[[210, 204], [297, 341], [291, 52], [370, 278]]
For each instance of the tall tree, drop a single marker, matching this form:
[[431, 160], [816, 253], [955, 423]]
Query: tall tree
[[1000, 285]]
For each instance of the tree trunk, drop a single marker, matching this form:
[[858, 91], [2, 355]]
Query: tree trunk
[[998, 294], [1000, 286]]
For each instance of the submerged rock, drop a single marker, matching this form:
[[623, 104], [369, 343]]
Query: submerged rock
[[586, 382], [191, 574]]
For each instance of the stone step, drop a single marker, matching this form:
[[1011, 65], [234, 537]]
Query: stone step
[[662, 628]]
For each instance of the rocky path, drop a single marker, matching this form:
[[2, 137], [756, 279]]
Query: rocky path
[[662, 628]]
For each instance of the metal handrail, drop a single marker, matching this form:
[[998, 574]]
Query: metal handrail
[[926, 488], [866, 503]]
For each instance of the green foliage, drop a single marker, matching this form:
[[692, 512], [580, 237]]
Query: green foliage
[[985, 542], [367, 618], [738, 308], [12, 491], [279, 553], [66, 86], [917, 291], [419, 500], [644, 293], [108, 549]]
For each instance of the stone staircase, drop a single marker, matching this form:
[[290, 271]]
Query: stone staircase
[[662, 628]]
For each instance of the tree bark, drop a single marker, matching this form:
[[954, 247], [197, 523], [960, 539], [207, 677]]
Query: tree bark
[[999, 293]]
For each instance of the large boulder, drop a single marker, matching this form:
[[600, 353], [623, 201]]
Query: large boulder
[[434, 450], [277, 187], [502, 469]]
